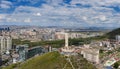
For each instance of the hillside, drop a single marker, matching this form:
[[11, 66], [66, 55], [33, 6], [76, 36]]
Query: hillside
[[52, 60], [113, 33]]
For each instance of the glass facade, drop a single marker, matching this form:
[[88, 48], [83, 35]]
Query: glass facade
[[22, 51], [34, 51]]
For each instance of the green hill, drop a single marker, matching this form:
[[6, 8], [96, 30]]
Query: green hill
[[113, 33], [52, 60]]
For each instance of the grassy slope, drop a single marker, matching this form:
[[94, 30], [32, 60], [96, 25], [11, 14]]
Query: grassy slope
[[52, 60]]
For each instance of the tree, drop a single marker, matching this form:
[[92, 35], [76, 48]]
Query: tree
[[116, 65]]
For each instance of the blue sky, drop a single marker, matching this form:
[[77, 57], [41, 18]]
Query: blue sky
[[79, 13]]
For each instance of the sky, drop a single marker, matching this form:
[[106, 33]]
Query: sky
[[77, 13]]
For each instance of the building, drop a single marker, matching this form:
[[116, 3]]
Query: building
[[5, 44], [22, 52], [49, 48], [91, 54], [0, 62], [118, 37], [67, 50], [38, 50]]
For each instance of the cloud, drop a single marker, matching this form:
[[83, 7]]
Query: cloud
[[95, 2], [84, 18], [54, 2], [5, 4], [2, 17], [38, 14], [28, 20], [53, 13]]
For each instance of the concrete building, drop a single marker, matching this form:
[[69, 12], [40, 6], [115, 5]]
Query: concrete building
[[59, 35], [9, 43], [49, 48], [118, 37], [22, 52], [67, 50], [5, 43], [35, 51], [91, 55]]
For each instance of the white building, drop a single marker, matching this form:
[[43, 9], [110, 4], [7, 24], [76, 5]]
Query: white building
[[5, 43], [67, 50], [91, 55], [118, 37]]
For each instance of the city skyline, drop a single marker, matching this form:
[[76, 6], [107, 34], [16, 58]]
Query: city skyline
[[79, 13]]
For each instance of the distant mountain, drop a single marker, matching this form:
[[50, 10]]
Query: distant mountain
[[113, 33]]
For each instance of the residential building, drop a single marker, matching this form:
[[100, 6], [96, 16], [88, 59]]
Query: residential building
[[91, 54]]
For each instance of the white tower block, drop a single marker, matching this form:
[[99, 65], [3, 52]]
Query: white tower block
[[2, 44], [5, 43], [66, 40], [9, 43]]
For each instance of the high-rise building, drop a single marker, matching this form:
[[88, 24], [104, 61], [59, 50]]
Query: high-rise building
[[22, 52], [9, 43], [5, 43]]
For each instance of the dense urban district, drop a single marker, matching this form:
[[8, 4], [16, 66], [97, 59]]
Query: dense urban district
[[28, 47]]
